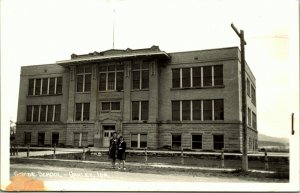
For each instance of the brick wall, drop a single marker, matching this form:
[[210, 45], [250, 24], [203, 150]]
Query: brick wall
[[230, 132], [40, 128]]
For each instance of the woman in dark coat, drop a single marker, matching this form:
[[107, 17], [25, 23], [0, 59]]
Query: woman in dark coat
[[121, 152], [113, 148]]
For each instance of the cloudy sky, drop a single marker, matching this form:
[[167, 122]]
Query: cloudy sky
[[45, 31]]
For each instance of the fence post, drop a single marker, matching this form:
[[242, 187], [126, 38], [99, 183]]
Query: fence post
[[83, 154], [222, 159], [11, 149], [146, 156], [14, 149], [182, 158], [54, 151], [17, 150], [28, 145], [266, 160]]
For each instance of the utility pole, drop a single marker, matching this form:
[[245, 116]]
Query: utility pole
[[244, 99], [114, 30]]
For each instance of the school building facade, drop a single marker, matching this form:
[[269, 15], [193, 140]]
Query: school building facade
[[154, 99]]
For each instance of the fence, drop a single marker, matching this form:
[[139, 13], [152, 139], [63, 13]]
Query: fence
[[215, 159]]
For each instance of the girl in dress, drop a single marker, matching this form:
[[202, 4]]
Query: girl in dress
[[121, 152], [113, 148]]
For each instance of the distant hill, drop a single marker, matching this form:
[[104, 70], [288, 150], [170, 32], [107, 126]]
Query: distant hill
[[265, 140]]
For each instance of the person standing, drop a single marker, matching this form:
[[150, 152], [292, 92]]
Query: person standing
[[113, 148], [121, 156]]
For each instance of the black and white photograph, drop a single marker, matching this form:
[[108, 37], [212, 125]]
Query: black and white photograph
[[150, 95]]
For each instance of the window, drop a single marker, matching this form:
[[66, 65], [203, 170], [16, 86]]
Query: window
[[115, 106], [59, 85], [41, 139], [135, 79], [43, 113], [176, 141], [86, 112], [52, 86], [140, 110], [176, 110], [83, 78], [218, 75], [207, 109], [45, 86], [80, 139], [219, 109], [254, 124], [250, 144], [176, 78], [193, 110], [212, 76], [135, 110], [84, 139], [197, 110], [253, 95], [37, 86], [31, 87], [207, 76], [186, 110], [197, 77], [82, 111], [248, 87], [218, 142], [197, 141], [102, 82], [36, 109], [138, 140], [144, 110], [186, 77], [105, 106], [55, 138], [50, 113], [120, 80], [143, 140], [110, 106], [111, 81], [29, 113], [57, 112], [249, 117], [140, 75], [134, 140], [27, 138], [111, 77]]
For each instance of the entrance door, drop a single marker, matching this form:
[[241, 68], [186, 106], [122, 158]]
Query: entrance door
[[55, 138], [41, 139], [108, 131]]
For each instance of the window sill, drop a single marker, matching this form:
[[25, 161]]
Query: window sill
[[39, 123], [109, 91], [110, 111], [44, 95], [135, 90], [88, 121], [83, 92], [139, 121], [195, 121], [204, 87]]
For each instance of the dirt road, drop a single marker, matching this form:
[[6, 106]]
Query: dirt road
[[66, 178]]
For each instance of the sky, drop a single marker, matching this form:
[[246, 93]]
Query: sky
[[45, 31]]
